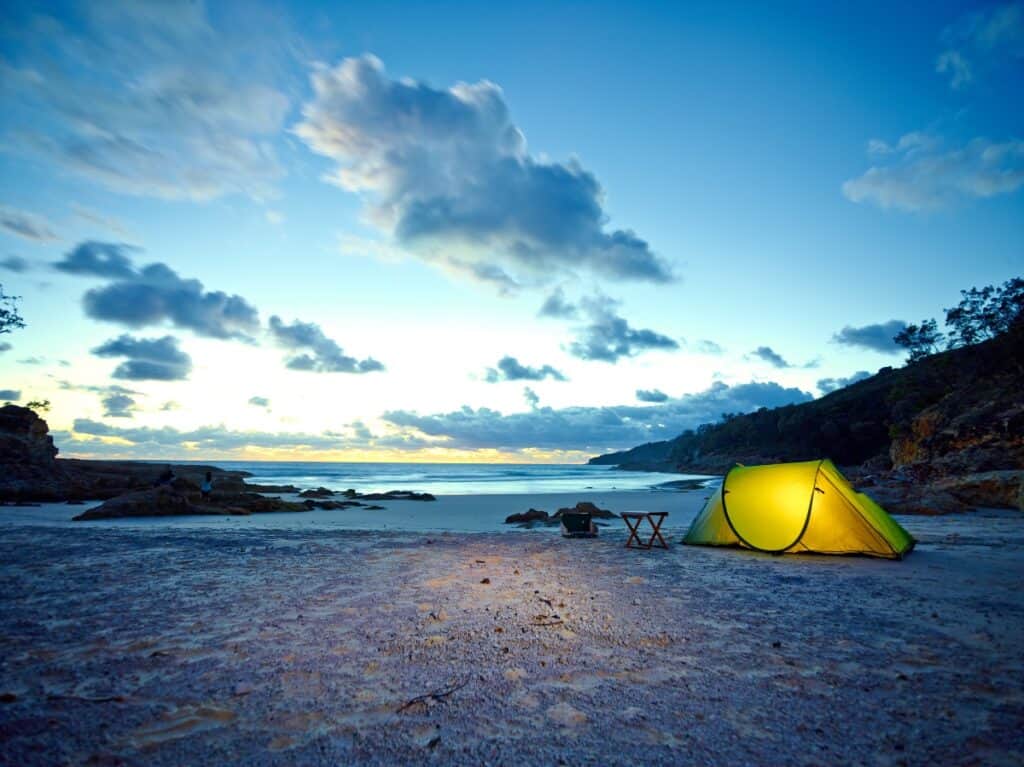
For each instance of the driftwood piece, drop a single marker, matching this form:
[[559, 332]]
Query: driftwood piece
[[432, 697]]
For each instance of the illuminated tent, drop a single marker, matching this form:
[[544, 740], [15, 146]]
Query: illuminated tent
[[795, 508]]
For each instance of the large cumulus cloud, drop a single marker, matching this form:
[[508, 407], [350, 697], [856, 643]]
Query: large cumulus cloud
[[449, 174], [592, 428]]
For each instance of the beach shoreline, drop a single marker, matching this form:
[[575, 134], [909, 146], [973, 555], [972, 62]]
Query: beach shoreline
[[467, 513], [278, 646]]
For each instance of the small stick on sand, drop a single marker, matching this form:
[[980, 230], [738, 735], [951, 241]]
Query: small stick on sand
[[109, 699], [432, 697]]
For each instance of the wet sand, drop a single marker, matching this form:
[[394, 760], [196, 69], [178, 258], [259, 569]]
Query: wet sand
[[260, 646]]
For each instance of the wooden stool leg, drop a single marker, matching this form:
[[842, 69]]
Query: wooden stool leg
[[657, 532], [632, 533]]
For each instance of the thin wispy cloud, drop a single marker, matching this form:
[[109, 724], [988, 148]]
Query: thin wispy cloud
[[150, 100], [982, 43], [922, 174], [28, 226], [15, 264], [449, 175]]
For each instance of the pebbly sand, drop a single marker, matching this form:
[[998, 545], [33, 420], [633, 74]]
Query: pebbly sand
[[236, 643]]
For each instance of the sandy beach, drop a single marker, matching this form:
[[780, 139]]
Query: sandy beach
[[240, 643]]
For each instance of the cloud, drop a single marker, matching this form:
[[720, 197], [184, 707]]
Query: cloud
[[828, 385], [148, 359], [651, 395], [982, 40], [117, 405], [5, 347], [95, 217], [592, 428], [150, 98], [922, 176], [769, 355], [325, 357], [15, 264], [705, 346], [608, 337], [448, 174], [958, 68], [98, 259], [555, 305], [155, 294], [24, 224], [170, 405], [10, 395], [531, 397], [510, 369], [877, 337], [204, 438], [260, 402]]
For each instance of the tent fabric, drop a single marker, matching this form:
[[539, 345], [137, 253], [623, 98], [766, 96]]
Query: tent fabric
[[806, 507]]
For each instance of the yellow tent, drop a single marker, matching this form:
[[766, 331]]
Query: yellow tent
[[795, 508]]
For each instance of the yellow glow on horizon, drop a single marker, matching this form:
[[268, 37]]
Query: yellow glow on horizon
[[254, 454]]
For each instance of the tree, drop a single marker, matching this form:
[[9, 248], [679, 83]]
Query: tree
[[920, 340], [40, 405], [985, 313], [9, 317]]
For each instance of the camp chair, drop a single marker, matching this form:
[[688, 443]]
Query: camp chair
[[576, 524]]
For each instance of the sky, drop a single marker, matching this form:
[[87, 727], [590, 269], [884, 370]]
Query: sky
[[526, 232]]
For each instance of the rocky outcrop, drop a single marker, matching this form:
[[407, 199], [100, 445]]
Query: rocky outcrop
[[182, 497], [27, 456], [586, 507], [320, 492], [536, 516], [527, 517]]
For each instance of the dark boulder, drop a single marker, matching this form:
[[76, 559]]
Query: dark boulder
[[533, 515]]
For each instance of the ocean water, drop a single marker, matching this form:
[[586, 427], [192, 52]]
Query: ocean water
[[451, 478]]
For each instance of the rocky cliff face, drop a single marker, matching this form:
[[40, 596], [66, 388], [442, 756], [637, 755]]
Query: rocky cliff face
[[27, 453], [943, 434]]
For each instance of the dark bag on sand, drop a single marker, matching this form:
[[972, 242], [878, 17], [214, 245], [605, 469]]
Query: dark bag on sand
[[578, 525]]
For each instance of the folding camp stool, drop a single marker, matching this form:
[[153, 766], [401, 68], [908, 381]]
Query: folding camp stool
[[633, 520]]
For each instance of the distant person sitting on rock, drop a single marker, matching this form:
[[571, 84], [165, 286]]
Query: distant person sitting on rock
[[207, 486], [166, 477]]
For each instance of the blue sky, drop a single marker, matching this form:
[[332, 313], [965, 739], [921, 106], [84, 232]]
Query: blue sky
[[305, 231]]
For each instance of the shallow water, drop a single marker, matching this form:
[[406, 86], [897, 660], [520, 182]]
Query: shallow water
[[451, 478]]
